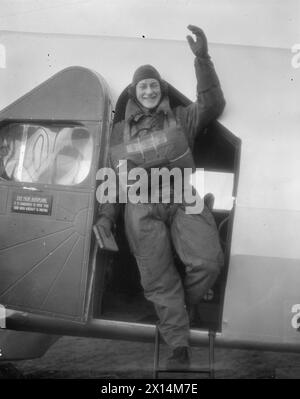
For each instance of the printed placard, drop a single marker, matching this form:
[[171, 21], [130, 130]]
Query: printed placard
[[37, 204]]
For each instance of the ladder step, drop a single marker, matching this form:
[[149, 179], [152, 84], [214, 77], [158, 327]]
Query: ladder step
[[192, 370], [200, 371]]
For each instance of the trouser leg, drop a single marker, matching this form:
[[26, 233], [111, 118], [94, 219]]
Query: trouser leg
[[149, 240], [196, 240]]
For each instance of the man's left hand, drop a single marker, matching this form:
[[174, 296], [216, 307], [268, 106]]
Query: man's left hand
[[198, 47]]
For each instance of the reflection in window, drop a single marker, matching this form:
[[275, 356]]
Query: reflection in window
[[45, 154]]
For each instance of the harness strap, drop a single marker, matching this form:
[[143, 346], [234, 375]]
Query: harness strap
[[181, 156]]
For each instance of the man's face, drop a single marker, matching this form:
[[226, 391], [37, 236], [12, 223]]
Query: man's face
[[148, 93]]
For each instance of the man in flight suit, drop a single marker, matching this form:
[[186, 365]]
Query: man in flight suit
[[150, 228]]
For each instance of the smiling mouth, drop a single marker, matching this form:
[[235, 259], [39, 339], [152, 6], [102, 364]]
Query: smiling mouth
[[150, 98]]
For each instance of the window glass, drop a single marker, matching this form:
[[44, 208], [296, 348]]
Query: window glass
[[45, 154], [220, 184]]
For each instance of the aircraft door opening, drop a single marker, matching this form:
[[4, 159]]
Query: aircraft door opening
[[121, 297]]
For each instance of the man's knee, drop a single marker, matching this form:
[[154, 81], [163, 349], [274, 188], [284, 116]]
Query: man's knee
[[199, 280]]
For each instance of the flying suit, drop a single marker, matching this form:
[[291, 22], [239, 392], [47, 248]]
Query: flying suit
[[152, 229]]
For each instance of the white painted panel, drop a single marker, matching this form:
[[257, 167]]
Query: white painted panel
[[272, 23], [266, 232], [261, 294], [269, 176], [33, 58]]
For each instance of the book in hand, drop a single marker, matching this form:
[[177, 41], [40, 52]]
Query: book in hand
[[105, 242]]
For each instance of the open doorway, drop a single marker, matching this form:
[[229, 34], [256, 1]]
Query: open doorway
[[121, 296]]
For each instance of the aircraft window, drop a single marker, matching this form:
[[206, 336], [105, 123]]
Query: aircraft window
[[45, 154], [220, 184]]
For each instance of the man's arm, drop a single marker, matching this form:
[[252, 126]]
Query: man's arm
[[210, 100], [107, 212]]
